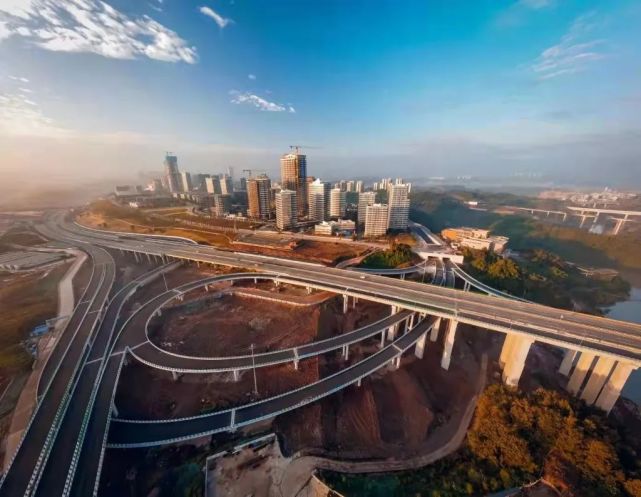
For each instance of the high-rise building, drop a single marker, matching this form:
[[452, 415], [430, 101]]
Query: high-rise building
[[212, 185], [358, 187], [376, 220], [226, 185], [243, 184], [349, 186], [337, 203], [172, 174], [286, 206], [399, 206], [293, 176], [318, 200], [398, 181], [222, 204], [259, 197], [365, 199], [185, 179]]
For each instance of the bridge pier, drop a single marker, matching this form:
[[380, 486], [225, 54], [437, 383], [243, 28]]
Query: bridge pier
[[236, 375], [435, 328], [466, 286], [598, 376], [345, 303], [175, 375], [136, 257], [382, 344], [567, 362], [410, 322], [309, 290], [519, 348], [358, 383], [396, 362], [419, 350], [114, 410], [148, 258], [296, 364], [448, 343], [391, 331], [402, 276], [614, 385], [354, 302], [345, 352], [158, 313], [580, 371]]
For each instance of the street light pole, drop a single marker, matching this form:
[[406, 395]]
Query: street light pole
[[254, 370]]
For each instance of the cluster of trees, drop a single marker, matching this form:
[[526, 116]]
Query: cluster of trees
[[399, 254], [544, 277], [517, 438]]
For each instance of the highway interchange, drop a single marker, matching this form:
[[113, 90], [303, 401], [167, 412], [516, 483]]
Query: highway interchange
[[73, 419]]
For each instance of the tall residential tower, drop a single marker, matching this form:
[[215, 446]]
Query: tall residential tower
[[293, 176]]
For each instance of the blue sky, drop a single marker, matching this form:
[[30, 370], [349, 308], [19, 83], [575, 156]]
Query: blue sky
[[414, 88]]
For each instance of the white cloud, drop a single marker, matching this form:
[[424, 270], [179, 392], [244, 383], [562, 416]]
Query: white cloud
[[252, 77], [259, 102], [19, 78], [20, 116], [93, 26], [218, 19], [573, 53]]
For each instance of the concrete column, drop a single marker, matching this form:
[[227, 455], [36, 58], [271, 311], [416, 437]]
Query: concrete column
[[382, 344], [435, 328], [613, 387], [148, 258], [354, 302], [391, 331], [519, 348], [597, 379], [345, 303], [402, 276], [358, 383], [175, 375], [158, 313], [567, 362], [448, 343], [396, 363], [505, 351], [114, 410], [346, 352], [419, 350], [136, 257], [578, 375], [255, 281], [236, 375], [309, 290], [410, 323], [296, 364]]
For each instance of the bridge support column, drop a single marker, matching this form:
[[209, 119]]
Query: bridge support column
[[255, 281], [382, 344], [158, 313], [345, 352], [309, 290], [435, 328], [419, 350], [410, 322], [136, 257], [505, 350], [148, 258], [466, 286], [597, 379], [358, 383], [175, 375], [567, 362], [519, 348], [391, 331], [613, 387], [402, 276], [114, 410], [345, 303], [448, 343], [354, 302], [580, 371], [396, 362], [236, 375], [296, 364]]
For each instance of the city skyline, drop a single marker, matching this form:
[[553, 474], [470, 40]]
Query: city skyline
[[96, 90]]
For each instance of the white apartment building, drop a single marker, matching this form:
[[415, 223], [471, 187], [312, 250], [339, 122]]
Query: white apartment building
[[376, 220], [337, 202], [286, 209], [365, 199], [399, 206], [318, 200]]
